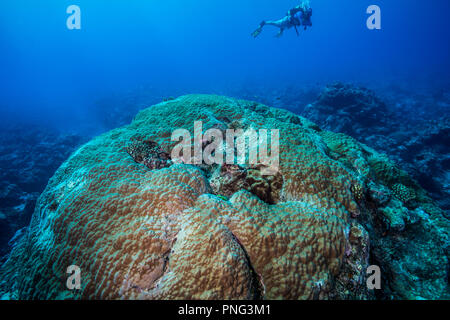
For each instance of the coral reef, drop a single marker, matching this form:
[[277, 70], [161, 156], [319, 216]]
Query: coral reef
[[115, 110], [29, 156], [403, 193], [348, 109], [148, 153], [425, 153], [141, 231], [402, 125], [228, 179]]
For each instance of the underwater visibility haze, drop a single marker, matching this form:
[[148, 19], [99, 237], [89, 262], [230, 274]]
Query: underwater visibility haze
[[353, 202]]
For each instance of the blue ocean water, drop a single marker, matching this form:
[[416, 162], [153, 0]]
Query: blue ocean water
[[52, 74]]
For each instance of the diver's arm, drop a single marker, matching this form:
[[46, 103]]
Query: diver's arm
[[280, 33]]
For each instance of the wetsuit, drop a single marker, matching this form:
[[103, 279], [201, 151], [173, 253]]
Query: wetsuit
[[297, 16]]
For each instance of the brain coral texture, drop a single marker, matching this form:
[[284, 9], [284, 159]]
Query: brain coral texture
[[142, 227]]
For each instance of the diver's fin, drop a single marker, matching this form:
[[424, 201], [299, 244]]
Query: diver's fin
[[257, 32]]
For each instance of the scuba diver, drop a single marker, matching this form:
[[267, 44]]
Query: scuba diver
[[296, 17]]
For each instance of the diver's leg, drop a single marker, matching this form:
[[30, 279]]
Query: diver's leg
[[282, 24], [280, 33], [276, 23]]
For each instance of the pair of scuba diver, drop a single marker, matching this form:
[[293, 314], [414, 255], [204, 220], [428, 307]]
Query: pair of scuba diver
[[300, 16]]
